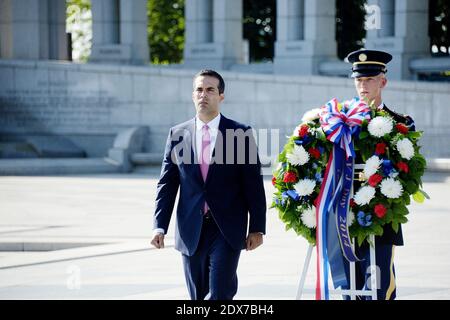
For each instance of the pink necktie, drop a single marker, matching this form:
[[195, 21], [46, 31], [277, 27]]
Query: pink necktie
[[204, 162]]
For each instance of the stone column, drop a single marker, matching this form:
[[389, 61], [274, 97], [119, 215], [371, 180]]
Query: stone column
[[32, 29], [57, 30], [305, 35], [119, 32], [403, 33], [213, 34], [133, 30]]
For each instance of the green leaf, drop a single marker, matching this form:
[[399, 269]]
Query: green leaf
[[363, 135], [414, 134], [418, 197], [395, 226], [403, 219], [399, 209], [378, 230], [411, 187], [425, 194], [360, 238], [320, 135]]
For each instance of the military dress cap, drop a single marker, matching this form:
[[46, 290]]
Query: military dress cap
[[368, 63]]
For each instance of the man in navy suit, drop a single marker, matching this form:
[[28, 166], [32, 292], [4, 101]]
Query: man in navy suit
[[221, 209]]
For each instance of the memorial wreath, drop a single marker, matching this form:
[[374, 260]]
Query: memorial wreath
[[316, 170]]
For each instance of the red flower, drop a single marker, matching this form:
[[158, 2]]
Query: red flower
[[314, 152], [274, 180], [380, 148], [303, 131], [380, 210], [403, 166], [375, 179], [401, 128], [290, 177], [352, 202]]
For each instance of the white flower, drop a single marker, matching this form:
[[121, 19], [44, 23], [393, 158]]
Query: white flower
[[379, 126], [364, 195], [298, 157], [371, 166], [350, 217], [311, 115], [406, 149], [305, 187], [308, 217], [391, 188]]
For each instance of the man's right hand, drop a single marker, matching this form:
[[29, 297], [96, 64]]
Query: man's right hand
[[158, 241]]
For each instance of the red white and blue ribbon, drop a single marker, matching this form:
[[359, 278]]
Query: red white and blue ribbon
[[339, 125]]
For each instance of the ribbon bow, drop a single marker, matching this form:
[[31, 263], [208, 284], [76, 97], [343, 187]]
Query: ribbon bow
[[340, 122]]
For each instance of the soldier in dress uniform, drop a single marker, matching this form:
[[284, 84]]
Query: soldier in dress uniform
[[369, 73]]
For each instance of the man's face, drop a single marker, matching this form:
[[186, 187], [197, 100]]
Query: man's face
[[370, 87], [206, 96]]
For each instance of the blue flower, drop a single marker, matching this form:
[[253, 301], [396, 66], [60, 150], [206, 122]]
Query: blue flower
[[318, 177], [387, 167], [363, 219], [302, 141], [293, 194]]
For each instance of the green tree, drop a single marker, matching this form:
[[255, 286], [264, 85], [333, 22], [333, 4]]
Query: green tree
[[79, 25], [259, 28], [165, 30], [350, 32], [439, 27]]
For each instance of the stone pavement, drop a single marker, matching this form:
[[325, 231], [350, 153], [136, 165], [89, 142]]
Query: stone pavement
[[87, 237]]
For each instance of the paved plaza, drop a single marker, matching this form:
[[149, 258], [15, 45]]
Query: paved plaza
[[88, 237]]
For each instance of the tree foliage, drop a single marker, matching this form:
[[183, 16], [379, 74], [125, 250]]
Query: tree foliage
[[439, 27], [350, 32], [259, 24], [79, 25], [165, 30]]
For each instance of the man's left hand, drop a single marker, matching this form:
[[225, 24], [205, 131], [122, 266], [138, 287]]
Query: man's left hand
[[254, 240]]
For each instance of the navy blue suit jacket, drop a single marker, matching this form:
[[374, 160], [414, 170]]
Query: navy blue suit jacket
[[233, 189]]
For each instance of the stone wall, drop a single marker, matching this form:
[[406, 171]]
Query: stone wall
[[90, 103]]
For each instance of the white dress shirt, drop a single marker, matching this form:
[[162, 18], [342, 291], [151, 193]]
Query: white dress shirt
[[213, 128]]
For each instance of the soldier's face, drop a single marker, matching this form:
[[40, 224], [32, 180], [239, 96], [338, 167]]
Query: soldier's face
[[370, 87]]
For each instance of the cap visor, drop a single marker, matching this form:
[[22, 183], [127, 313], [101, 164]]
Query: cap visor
[[358, 74]]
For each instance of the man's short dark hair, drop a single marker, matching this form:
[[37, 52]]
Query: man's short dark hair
[[214, 74]]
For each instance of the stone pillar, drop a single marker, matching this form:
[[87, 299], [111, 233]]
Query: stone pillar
[[213, 34], [305, 35], [57, 30], [119, 32], [133, 29], [403, 33], [32, 29]]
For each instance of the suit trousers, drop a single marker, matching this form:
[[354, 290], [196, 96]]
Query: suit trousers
[[211, 272]]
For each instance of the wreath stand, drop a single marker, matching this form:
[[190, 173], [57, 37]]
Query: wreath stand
[[352, 292]]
